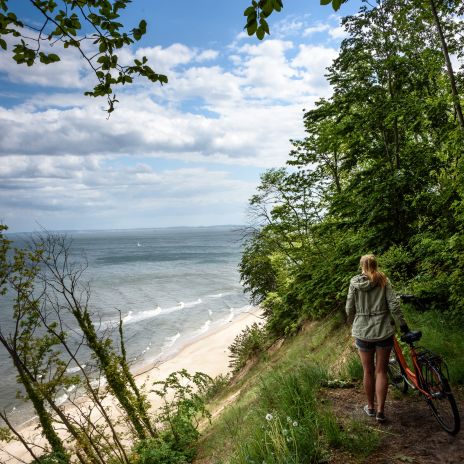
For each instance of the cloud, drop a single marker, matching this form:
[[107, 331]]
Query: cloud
[[223, 112], [315, 29]]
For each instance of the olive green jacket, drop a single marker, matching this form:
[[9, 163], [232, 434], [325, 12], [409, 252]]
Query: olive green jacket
[[370, 308]]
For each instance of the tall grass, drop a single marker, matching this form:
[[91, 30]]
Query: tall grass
[[287, 422], [280, 415], [284, 424]]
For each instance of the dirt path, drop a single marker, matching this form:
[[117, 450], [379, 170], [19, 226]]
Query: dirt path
[[411, 435]]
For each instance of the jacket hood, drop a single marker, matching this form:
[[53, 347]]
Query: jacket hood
[[362, 282]]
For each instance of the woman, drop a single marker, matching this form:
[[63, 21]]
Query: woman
[[371, 302]]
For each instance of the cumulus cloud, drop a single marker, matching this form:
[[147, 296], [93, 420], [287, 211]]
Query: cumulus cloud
[[222, 109]]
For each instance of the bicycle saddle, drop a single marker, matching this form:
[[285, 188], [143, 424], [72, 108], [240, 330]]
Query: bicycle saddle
[[412, 336]]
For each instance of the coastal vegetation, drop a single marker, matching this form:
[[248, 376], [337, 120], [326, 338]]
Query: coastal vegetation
[[380, 170], [107, 417]]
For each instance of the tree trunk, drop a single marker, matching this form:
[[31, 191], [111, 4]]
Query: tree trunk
[[449, 66]]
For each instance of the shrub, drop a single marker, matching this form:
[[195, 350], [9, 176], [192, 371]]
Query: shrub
[[251, 341], [183, 396], [157, 451]]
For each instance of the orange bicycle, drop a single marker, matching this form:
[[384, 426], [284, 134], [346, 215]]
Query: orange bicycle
[[429, 377]]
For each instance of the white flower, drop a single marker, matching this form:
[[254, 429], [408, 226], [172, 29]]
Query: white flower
[[289, 419], [285, 431], [269, 416], [295, 424]]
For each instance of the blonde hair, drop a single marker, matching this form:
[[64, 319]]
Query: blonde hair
[[368, 265]]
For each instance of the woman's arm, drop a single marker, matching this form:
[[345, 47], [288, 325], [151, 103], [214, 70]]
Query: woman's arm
[[350, 307], [394, 306]]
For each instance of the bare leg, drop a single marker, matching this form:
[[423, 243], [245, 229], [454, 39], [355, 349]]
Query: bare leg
[[382, 355], [367, 360]]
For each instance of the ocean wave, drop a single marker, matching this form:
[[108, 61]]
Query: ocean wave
[[220, 295], [171, 340], [73, 370], [234, 311], [182, 305], [98, 383], [193, 303], [231, 315], [141, 315], [205, 327]]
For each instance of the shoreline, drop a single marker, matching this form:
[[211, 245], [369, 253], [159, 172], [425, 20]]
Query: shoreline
[[149, 365], [207, 353]]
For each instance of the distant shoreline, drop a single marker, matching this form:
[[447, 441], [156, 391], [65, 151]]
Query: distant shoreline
[[80, 231]]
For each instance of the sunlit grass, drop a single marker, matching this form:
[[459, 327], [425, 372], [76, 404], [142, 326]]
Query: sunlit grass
[[278, 417]]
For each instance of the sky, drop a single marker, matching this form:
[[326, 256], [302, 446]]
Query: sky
[[189, 153]]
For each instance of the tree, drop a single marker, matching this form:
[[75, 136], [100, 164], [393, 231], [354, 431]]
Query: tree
[[381, 164], [92, 27], [48, 293]]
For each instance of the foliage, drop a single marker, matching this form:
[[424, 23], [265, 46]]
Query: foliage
[[260, 10], [353, 367], [183, 406], [380, 170], [157, 451], [92, 27], [441, 335], [52, 458], [45, 291], [287, 423], [247, 344], [217, 386]]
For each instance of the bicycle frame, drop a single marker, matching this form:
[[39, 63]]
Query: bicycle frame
[[415, 378]]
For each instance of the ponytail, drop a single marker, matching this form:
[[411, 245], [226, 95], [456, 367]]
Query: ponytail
[[368, 265]]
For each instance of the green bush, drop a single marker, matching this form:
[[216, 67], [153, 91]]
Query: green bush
[[217, 385], [183, 396], [250, 342], [443, 336], [158, 451]]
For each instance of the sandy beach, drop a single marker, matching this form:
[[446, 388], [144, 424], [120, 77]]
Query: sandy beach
[[208, 354]]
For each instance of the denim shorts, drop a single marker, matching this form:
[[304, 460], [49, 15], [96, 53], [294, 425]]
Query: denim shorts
[[364, 345]]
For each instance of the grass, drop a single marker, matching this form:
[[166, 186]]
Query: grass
[[278, 414], [441, 337], [279, 417]]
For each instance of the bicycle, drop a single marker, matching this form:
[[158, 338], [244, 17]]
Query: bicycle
[[429, 377]]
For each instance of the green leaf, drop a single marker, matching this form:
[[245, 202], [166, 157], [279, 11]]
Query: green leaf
[[325, 2], [248, 11], [264, 25], [260, 33], [251, 27], [53, 58], [336, 4], [3, 44]]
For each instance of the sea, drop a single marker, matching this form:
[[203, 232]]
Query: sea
[[170, 285]]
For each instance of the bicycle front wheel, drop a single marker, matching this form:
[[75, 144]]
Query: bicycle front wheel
[[441, 402], [395, 374]]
